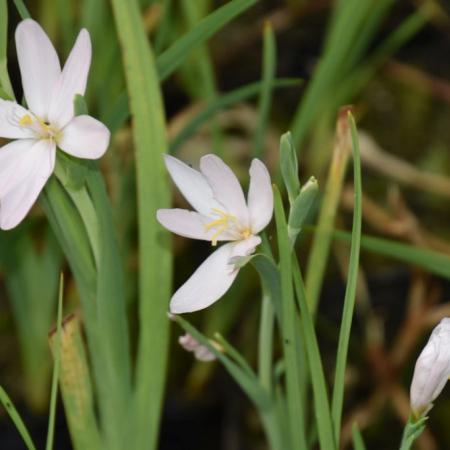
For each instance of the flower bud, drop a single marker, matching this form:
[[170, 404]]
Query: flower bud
[[190, 344], [432, 370]]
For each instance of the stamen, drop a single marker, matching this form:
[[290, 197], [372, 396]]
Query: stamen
[[26, 120], [223, 223]]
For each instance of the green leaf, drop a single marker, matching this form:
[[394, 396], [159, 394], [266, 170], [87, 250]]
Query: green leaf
[[350, 291], [15, 417], [289, 166], [174, 56], [321, 404], [358, 442], [5, 83], [265, 97], [223, 102], [289, 323], [430, 260], [22, 9], [155, 259], [56, 369]]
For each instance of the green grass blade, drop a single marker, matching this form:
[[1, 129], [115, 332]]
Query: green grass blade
[[22, 9], [175, 55], [265, 341], [289, 323], [350, 292], [265, 98], [5, 82], [155, 261], [223, 102], [358, 442], [56, 370], [234, 354], [430, 260], [112, 318], [15, 417], [321, 404], [247, 382]]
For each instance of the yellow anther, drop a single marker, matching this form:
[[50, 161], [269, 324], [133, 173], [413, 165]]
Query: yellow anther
[[26, 120]]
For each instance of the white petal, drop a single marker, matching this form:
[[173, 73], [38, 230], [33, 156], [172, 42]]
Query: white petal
[[193, 185], [15, 203], [84, 137], [212, 279], [16, 163], [432, 369], [72, 81], [207, 284], [39, 66], [189, 224], [260, 196], [225, 186], [10, 115]]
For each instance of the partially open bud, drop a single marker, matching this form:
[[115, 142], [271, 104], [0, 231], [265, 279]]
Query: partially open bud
[[432, 370], [201, 352]]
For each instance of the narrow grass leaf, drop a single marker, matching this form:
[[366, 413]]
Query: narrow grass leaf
[[350, 291], [265, 97], [155, 260], [430, 260], [22, 9], [5, 82], [322, 410], [290, 321], [175, 55], [223, 102], [56, 369], [358, 442], [15, 417]]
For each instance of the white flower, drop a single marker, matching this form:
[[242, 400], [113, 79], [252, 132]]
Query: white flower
[[432, 369], [27, 162], [201, 352], [221, 214]]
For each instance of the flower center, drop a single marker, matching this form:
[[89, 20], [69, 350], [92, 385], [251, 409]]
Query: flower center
[[43, 129], [224, 222]]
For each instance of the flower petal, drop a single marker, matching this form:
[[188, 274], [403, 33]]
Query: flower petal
[[189, 224], [260, 196], [207, 284], [432, 369], [225, 186], [10, 115], [193, 185], [39, 66], [16, 163], [212, 278], [72, 81], [15, 203], [84, 137]]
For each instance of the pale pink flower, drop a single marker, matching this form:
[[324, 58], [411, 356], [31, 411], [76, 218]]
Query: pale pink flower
[[27, 162]]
